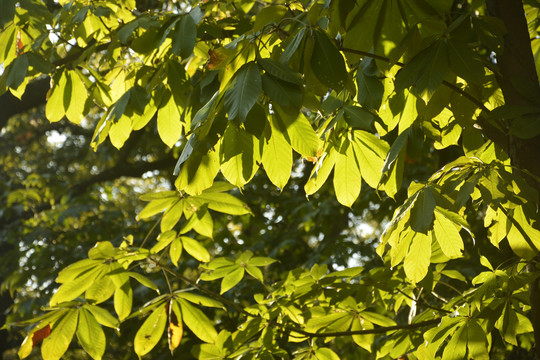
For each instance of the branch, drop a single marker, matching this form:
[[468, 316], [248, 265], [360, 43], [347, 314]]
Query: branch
[[119, 170], [379, 330]]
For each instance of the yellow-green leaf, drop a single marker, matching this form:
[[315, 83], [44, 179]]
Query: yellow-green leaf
[[150, 331], [231, 279], [277, 158], [347, 177], [447, 235], [197, 322], [195, 249], [418, 258], [56, 344], [90, 335], [168, 121]]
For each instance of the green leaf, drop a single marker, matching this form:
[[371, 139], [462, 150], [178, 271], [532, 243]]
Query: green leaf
[[171, 216], [76, 269], [150, 331], [261, 261], [325, 354], [143, 280], [370, 90], [358, 118], [255, 272], [17, 71], [100, 290], [321, 171], [400, 109], [239, 156], [195, 249], [347, 177], [464, 63], [54, 109], [477, 342], [175, 251], [281, 92], [447, 235], [73, 289], [327, 62], [119, 131], [292, 46], [90, 335], [156, 206], [204, 224], [7, 11], [426, 70], [200, 300], [269, 14], [75, 96], [198, 172], [123, 300], [418, 258], [57, 343], [244, 91], [281, 71], [168, 121], [377, 319], [303, 138], [223, 202], [197, 322], [422, 211], [277, 158], [184, 37], [102, 316], [370, 153], [231, 279]]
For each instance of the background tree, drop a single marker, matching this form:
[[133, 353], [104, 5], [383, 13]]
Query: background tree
[[425, 114]]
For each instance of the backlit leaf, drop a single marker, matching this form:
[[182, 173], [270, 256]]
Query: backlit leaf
[[417, 260], [277, 158], [90, 335], [56, 344], [231, 279], [168, 121], [347, 177], [150, 331], [195, 249], [197, 322]]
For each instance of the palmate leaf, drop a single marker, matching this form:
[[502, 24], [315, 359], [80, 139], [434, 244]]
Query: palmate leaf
[[90, 335], [184, 36], [277, 157], [244, 91], [57, 343], [447, 235], [197, 322], [150, 331], [417, 260], [347, 176], [422, 211], [239, 155], [168, 121], [327, 62]]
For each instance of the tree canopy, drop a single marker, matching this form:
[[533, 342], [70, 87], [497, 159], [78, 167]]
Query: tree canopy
[[338, 179]]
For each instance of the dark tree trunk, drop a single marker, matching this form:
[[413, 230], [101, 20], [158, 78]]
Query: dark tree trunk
[[517, 70]]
